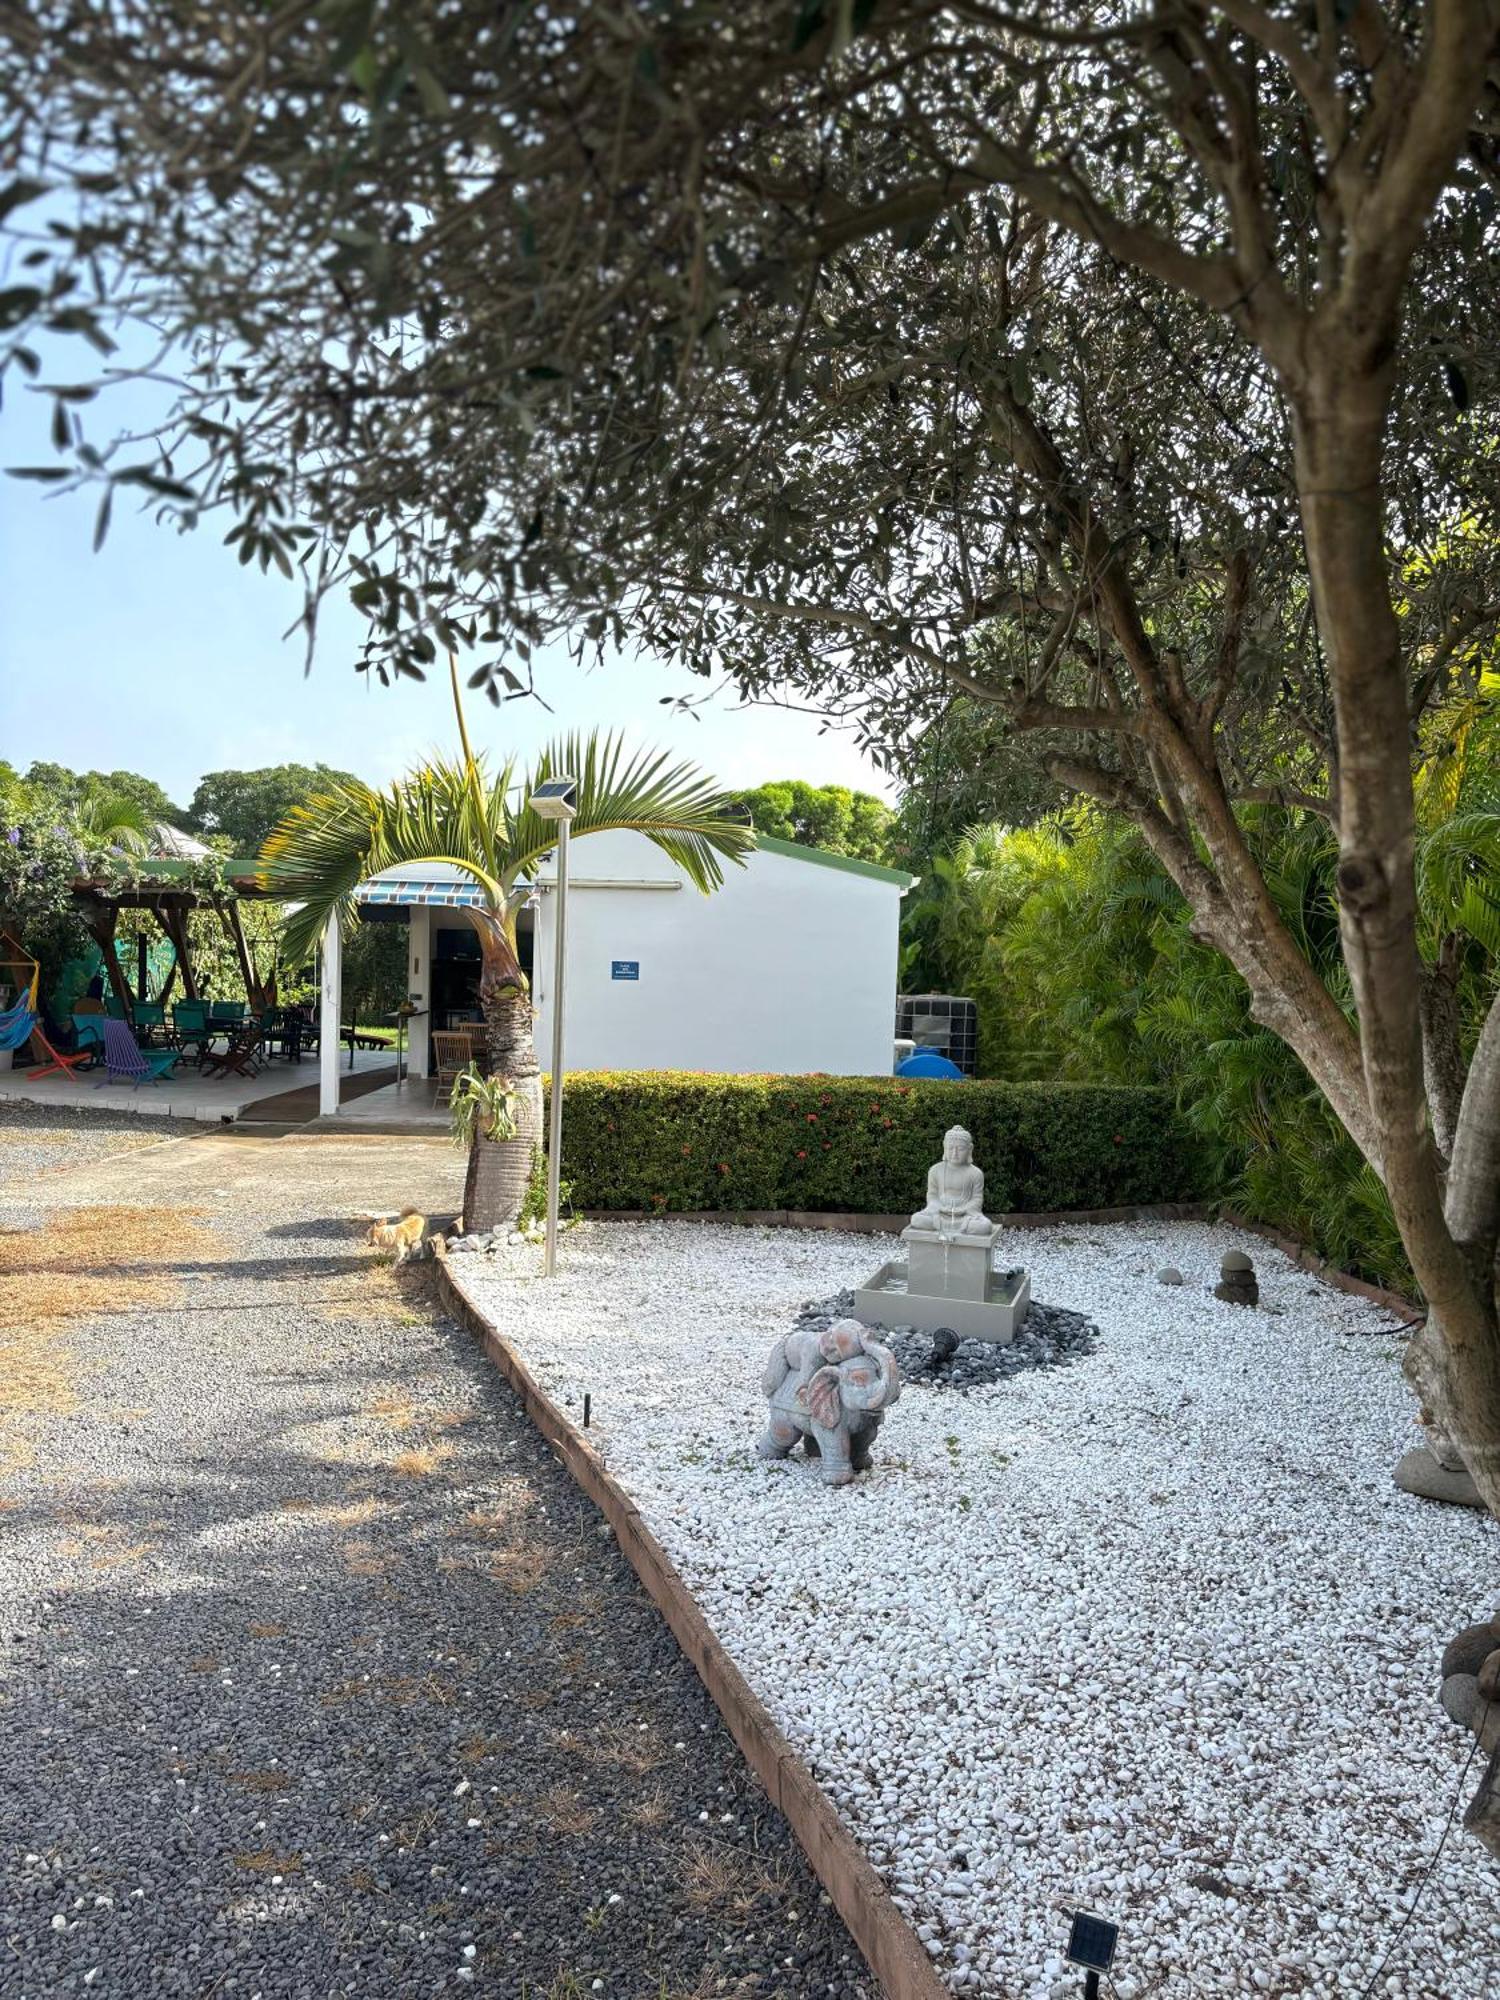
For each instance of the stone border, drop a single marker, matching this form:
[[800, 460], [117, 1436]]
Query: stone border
[[889, 1945]]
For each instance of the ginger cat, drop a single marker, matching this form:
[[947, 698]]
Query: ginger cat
[[404, 1235]]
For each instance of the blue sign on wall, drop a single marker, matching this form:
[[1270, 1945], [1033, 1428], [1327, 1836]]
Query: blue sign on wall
[[625, 968]]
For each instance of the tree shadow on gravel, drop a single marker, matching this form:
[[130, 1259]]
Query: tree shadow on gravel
[[355, 1688]]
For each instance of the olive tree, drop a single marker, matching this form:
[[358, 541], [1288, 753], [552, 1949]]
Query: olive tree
[[1119, 369]]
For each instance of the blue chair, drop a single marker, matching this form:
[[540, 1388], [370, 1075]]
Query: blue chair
[[88, 1034], [125, 1061]]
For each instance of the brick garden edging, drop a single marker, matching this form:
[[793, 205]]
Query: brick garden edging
[[890, 1946]]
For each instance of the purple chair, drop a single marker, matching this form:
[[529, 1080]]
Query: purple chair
[[125, 1061]]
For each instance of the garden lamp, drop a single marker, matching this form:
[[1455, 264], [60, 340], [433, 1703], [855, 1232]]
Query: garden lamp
[[556, 800]]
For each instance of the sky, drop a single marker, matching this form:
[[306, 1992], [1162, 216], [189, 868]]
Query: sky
[[162, 655]]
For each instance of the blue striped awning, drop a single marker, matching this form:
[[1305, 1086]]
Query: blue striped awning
[[414, 894]]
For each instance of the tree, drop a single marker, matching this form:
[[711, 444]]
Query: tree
[[460, 814], [1127, 373], [141, 801], [828, 816], [244, 806]]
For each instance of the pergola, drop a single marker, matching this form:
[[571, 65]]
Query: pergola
[[169, 889]]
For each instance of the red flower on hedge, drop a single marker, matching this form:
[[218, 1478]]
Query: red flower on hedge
[[685, 1151], [885, 1121], [723, 1166], [802, 1156], [1119, 1138], [828, 1145], [812, 1117]]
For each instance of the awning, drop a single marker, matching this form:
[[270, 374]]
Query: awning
[[414, 893]]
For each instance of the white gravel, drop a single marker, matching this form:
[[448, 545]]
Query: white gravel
[[1152, 1634]]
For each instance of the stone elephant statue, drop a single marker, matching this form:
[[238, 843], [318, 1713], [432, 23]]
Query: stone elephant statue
[[829, 1389]]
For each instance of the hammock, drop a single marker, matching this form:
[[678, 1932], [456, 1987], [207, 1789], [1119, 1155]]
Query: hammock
[[18, 1020], [16, 1024]]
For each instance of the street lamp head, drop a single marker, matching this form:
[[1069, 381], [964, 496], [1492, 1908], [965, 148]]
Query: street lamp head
[[557, 799]]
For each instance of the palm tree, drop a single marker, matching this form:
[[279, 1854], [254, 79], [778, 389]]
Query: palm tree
[[109, 819], [459, 813]]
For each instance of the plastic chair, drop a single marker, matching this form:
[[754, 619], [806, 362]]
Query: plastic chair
[[88, 1036], [227, 1010]]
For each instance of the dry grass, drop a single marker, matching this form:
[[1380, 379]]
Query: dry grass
[[266, 1631], [629, 1749], [265, 1861], [650, 1813], [520, 1568], [477, 1749], [396, 1292], [81, 1263], [261, 1781], [422, 1460], [566, 1812], [725, 1880], [364, 1559], [402, 1690]]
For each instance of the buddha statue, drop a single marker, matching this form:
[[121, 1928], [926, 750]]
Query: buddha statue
[[955, 1192]]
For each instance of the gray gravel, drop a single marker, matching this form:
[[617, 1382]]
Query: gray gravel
[[1048, 1337], [285, 1711], [36, 1139]]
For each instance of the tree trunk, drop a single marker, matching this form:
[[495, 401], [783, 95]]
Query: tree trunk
[[1340, 418], [500, 1170]]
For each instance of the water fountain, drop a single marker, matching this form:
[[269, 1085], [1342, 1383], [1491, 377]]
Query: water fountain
[[947, 1279]]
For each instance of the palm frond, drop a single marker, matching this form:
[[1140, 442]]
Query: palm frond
[[675, 805]]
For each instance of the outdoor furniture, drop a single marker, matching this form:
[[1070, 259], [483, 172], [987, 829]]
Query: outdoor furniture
[[126, 1062], [115, 1008], [452, 1050], [150, 1020], [230, 1011], [190, 1024], [58, 1062], [242, 1056], [88, 1037]]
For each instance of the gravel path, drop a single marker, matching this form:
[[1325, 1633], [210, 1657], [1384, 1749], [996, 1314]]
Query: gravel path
[[37, 1140], [1150, 1633], [317, 1674]]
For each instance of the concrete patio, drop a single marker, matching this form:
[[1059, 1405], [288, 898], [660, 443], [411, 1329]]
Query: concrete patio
[[219, 1100]]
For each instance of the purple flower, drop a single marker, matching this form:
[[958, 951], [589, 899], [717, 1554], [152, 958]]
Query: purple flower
[[14, 836]]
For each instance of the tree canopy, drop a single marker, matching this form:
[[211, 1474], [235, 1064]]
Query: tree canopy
[[1126, 372], [243, 806], [828, 816]]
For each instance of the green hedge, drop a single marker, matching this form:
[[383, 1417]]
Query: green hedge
[[647, 1139]]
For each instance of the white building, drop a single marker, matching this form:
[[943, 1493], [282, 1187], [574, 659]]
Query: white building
[[790, 967]]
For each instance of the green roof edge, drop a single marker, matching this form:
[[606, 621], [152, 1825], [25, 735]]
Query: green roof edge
[[821, 858]]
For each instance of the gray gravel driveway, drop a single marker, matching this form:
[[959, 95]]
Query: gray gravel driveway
[[317, 1674]]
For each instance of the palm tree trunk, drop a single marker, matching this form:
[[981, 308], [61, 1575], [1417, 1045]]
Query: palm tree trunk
[[500, 1170]]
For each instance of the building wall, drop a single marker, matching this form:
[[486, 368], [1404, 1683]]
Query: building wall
[[789, 968]]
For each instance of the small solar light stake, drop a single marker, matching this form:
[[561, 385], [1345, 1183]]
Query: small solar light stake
[[587, 1401], [1091, 1944]]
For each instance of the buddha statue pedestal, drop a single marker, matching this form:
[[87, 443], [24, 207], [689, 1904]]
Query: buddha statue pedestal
[[946, 1280]]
